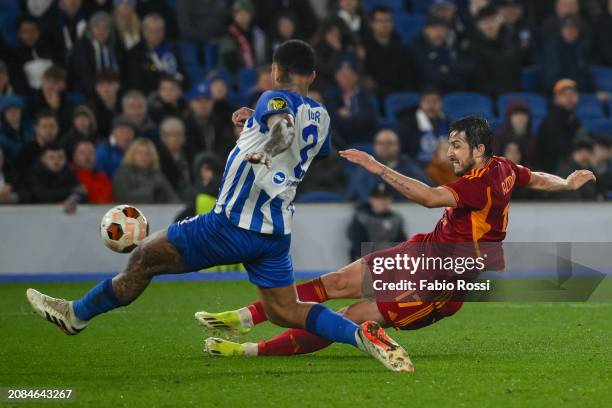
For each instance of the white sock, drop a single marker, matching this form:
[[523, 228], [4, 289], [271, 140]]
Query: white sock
[[250, 349], [246, 319]]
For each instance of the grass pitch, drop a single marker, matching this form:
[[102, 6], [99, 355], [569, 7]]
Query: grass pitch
[[150, 354]]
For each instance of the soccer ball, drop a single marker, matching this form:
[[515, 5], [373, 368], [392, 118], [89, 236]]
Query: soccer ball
[[123, 228]]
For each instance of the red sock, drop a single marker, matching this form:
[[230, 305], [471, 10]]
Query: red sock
[[293, 341], [311, 291]]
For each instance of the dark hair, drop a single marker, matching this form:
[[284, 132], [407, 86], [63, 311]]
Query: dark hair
[[379, 9], [601, 140], [46, 113], [53, 146], [25, 19], [294, 57], [430, 90], [106, 75], [56, 73], [477, 132]]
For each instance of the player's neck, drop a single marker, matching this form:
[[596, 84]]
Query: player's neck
[[480, 162]]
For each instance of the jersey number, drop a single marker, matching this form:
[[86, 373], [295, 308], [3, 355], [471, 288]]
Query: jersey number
[[310, 130]]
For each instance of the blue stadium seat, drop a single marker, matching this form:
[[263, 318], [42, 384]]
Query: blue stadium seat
[[246, 79], [423, 6], [398, 101], [460, 104], [409, 26], [9, 11], [589, 107], [531, 79], [603, 78], [75, 98], [602, 126], [536, 121], [397, 6], [537, 103], [211, 54], [320, 197], [189, 52]]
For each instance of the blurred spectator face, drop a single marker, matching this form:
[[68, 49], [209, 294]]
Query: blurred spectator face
[[173, 138], [218, 89], [567, 99], [46, 130], [519, 122], [207, 174], [382, 25], [511, 14], [123, 137], [153, 31], [431, 104], [12, 116], [512, 152], [436, 34], [583, 157], [28, 33], [107, 91], [142, 156], [489, 26], [100, 31], [136, 109], [82, 123], [285, 27], [380, 204], [445, 11], [346, 78], [70, 7], [243, 18], [566, 7], [202, 107], [84, 156], [333, 37], [52, 85], [54, 160], [169, 92], [386, 146], [601, 153], [350, 6], [570, 33]]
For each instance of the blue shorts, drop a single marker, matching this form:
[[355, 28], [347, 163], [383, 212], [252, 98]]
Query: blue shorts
[[211, 240]]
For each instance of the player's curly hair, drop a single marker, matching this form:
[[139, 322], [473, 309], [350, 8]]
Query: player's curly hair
[[477, 132], [294, 57]]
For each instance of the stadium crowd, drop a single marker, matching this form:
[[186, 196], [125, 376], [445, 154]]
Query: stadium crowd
[[130, 101]]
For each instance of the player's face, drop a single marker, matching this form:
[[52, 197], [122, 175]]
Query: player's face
[[460, 154]]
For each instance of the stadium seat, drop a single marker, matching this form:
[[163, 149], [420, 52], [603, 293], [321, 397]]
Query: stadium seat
[[460, 104], [75, 98], [246, 79], [9, 11], [603, 78], [589, 107], [320, 197], [409, 26], [397, 6], [537, 103], [423, 6], [189, 52], [211, 55], [602, 126], [398, 101], [531, 79]]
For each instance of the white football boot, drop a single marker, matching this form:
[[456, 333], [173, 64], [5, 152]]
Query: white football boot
[[57, 311]]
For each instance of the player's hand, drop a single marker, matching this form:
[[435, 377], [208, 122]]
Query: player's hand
[[365, 160], [240, 116], [259, 158], [579, 178]]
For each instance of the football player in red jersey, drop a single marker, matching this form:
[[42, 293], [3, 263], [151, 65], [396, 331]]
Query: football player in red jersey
[[476, 212]]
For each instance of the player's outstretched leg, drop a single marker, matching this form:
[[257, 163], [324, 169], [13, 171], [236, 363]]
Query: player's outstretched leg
[[342, 284], [155, 256]]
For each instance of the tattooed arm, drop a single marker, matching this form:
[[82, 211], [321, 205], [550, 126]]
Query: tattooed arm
[[415, 190], [280, 137]]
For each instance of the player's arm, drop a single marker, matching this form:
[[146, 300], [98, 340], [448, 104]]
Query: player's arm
[[415, 190], [549, 182], [280, 137]]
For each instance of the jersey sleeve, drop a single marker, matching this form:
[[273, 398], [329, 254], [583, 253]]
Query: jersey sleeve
[[272, 103], [469, 192], [523, 175]]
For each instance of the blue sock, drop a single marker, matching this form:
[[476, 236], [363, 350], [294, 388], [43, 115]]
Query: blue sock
[[99, 300], [326, 323]]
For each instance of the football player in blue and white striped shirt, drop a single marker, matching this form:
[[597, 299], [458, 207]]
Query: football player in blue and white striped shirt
[[251, 222]]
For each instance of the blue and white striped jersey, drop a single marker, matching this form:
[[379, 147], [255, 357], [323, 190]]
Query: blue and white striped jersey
[[259, 199]]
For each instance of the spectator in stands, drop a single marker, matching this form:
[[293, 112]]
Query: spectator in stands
[[497, 66], [126, 25], [31, 58], [567, 55], [97, 184], [167, 101], [6, 88], [563, 8], [64, 27], [374, 221], [602, 33], [351, 13], [420, 128], [105, 101], [38, 9], [326, 175], [94, 53], [351, 109], [202, 21], [173, 160], [8, 182], [263, 84], [161, 8], [51, 181], [447, 11], [387, 63], [602, 163], [516, 31], [437, 64], [307, 20], [84, 127], [440, 169], [207, 172], [46, 130], [285, 28], [219, 90], [14, 130], [139, 179], [517, 129], [244, 46], [134, 106], [110, 153], [152, 57], [92, 7], [387, 150], [560, 126], [581, 158], [52, 96]]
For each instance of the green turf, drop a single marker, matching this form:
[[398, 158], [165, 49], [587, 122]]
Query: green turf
[[150, 354]]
